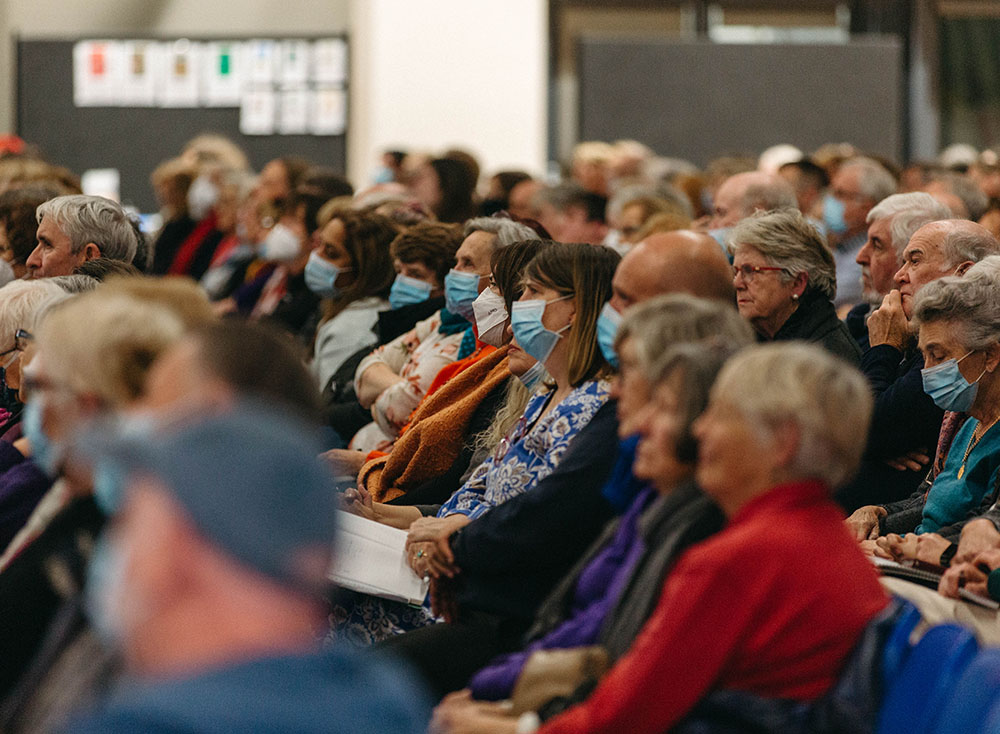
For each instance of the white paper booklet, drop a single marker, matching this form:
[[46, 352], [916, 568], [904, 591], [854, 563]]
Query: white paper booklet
[[371, 558]]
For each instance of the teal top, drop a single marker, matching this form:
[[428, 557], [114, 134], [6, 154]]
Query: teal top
[[952, 498]]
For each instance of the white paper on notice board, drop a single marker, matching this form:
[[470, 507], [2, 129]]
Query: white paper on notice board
[[328, 111], [294, 62], [293, 115], [330, 61], [139, 64], [221, 74], [96, 73], [258, 111], [261, 59], [179, 74]]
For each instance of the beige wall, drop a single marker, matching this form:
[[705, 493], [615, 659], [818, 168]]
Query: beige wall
[[75, 18]]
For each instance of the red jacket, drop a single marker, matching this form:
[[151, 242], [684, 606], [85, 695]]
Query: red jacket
[[772, 605]]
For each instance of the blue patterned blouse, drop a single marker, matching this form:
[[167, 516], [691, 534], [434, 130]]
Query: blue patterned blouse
[[530, 452]]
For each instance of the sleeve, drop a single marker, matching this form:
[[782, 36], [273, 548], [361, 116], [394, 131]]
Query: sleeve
[[392, 409], [557, 519], [675, 660], [903, 516], [393, 355], [468, 500], [904, 417], [339, 340]]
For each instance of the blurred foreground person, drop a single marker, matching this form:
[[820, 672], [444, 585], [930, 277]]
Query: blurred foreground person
[[216, 619]]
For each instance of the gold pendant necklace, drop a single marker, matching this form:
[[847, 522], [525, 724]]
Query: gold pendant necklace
[[972, 443]]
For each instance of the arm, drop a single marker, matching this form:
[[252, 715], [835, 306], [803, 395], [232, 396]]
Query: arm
[[375, 380], [675, 660], [394, 405], [389, 358], [904, 416], [555, 521]]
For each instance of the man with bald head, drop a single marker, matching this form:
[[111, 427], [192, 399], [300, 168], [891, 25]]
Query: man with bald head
[[906, 422], [672, 262], [531, 541]]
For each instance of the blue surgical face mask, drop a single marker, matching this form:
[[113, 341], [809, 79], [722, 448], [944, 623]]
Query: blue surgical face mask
[[948, 388], [104, 588], [533, 376], [719, 235], [531, 334], [45, 453], [460, 291], [607, 329], [406, 291], [833, 214], [321, 276]]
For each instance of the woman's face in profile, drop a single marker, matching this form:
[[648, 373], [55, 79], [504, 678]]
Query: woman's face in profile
[[731, 454], [630, 388], [659, 425]]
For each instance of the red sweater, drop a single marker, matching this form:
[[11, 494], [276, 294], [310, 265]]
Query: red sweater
[[772, 605]]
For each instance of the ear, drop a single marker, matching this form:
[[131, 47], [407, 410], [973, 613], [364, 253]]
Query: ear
[[91, 251], [992, 357], [785, 443], [963, 267], [799, 283]]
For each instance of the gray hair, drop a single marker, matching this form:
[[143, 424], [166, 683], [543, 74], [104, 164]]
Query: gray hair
[[658, 323], [85, 219], [874, 181], [696, 365], [768, 192], [968, 242], [909, 212], [824, 397], [77, 283], [976, 202], [625, 195], [787, 240], [507, 231], [972, 303], [19, 301]]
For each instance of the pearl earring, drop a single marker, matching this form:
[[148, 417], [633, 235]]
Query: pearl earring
[[795, 296]]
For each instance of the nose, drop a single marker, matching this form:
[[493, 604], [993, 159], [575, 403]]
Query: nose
[[901, 276], [34, 260], [863, 257]]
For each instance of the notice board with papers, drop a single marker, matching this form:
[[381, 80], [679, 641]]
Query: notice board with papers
[[129, 104]]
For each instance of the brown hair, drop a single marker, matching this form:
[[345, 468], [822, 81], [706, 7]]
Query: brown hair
[[367, 238], [584, 272], [433, 244]]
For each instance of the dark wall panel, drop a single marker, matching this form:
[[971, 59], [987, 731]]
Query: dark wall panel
[[132, 139], [701, 100]]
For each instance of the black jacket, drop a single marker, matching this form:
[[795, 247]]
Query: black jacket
[[815, 320]]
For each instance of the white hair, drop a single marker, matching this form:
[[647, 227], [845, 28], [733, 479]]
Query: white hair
[[826, 399], [19, 302], [874, 181], [92, 219], [909, 212]]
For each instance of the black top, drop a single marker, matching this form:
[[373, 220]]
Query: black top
[[904, 419], [35, 584], [815, 320]]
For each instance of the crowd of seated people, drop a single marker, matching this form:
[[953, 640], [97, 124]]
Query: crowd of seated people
[[654, 437]]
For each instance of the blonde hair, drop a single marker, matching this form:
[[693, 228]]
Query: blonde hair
[[105, 342], [505, 419], [179, 295], [826, 399]]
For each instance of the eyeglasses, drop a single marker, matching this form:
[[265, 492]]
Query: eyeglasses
[[749, 271], [21, 340]]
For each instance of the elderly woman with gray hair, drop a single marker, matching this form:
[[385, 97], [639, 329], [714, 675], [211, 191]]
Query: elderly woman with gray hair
[[959, 321], [750, 611], [785, 280]]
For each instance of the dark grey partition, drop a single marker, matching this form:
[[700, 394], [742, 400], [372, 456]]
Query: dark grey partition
[[132, 139], [699, 100]]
